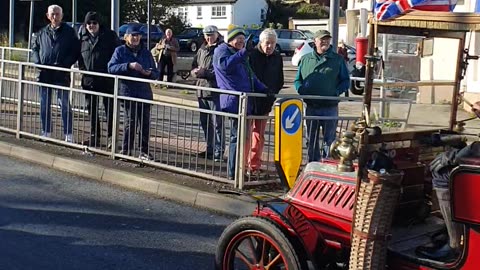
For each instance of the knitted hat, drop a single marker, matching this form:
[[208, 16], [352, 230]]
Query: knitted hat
[[235, 32], [91, 16]]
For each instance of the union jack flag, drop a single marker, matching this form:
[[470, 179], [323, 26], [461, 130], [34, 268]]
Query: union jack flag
[[390, 9]]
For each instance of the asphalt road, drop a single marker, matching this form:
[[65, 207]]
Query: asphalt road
[[54, 220]]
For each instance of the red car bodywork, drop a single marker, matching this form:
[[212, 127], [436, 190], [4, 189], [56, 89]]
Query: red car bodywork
[[318, 211]]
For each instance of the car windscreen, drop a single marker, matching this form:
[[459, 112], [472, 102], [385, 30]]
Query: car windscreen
[[153, 29], [309, 34], [188, 32]]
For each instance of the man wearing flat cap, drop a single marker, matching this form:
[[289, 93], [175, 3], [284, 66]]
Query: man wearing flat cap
[[97, 46], [202, 69], [322, 72]]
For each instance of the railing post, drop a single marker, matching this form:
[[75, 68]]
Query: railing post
[[20, 100], [241, 141], [384, 110], [116, 115], [2, 74]]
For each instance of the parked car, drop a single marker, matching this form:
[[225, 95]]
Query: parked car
[[155, 32], [288, 40], [191, 39]]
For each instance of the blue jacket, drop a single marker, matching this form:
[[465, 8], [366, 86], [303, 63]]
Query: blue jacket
[[233, 72], [60, 48], [118, 65]]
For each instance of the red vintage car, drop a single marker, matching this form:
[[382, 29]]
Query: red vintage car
[[343, 217]]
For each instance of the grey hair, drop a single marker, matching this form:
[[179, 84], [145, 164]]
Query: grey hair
[[54, 7], [268, 33]]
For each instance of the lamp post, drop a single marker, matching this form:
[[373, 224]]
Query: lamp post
[[333, 22], [74, 13], [115, 15], [11, 29], [148, 24], [30, 25]]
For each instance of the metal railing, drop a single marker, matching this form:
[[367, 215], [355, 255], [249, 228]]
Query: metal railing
[[160, 134]]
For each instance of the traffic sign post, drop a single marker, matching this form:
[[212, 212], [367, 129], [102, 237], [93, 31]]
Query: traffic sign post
[[288, 139]]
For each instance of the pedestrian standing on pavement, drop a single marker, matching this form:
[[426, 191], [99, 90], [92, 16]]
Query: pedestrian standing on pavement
[[322, 72], [55, 45], [165, 54], [134, 59], [202, 69], [97, 46], [267, 64], [233, 72]]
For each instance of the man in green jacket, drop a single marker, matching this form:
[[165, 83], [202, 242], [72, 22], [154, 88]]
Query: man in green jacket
[[322, 72]]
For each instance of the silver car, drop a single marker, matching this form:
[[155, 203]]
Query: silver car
[[288, 39]]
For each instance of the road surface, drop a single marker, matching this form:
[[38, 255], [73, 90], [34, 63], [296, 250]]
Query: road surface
[[54, 220]]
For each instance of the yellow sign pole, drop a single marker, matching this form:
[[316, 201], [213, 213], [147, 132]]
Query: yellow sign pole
[[288, 139]]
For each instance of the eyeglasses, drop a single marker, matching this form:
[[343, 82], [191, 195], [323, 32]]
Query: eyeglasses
[[92, 23]]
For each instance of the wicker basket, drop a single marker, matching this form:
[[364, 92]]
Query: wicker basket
[[376, 201]]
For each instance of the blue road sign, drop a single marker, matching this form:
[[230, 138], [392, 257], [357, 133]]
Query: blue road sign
[[291, 119]]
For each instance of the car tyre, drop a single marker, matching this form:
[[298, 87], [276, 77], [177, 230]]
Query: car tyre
[[278, 49], [194, 47], [266, 234]]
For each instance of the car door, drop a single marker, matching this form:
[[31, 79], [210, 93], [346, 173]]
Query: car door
[[298, 38], [284, 40]]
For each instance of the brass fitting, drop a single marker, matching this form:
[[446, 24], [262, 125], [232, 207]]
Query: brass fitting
[[344, 150]]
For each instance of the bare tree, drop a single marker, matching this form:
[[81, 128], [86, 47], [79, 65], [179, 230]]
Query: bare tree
[[136, 10]]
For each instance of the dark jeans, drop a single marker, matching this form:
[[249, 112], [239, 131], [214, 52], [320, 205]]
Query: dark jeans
[[46, 109], [212, 126], [232, 148], [93, 108], [166, 61], [137, 119], [329, 128]]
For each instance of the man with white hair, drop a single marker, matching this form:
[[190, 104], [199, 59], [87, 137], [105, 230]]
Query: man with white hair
[[267, 64], [55, 45]]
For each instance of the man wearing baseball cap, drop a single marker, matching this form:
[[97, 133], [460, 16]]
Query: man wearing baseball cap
[[202, 69], [322, 72], [233, 72]]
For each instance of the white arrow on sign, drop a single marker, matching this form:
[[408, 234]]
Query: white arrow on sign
[[289, 120]]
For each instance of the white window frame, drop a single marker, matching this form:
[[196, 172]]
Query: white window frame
[[182, 13], [199, 12], [219, 12]]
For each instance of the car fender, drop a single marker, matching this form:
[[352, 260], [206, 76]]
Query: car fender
[[298, 54], [296, 224]]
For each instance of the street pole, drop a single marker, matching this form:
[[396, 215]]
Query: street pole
[[333, 22], [30, 27], [11, 30], [115, 15], [74, 13], [148, 24]]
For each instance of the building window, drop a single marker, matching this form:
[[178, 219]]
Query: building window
[[263, 15], [182, 13], [219, 11], [199, 12]]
